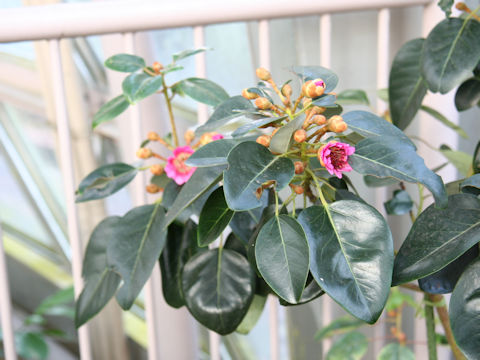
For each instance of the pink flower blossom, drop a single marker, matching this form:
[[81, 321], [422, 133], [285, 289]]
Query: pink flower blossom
[[176, 168], [217, 137], [209, 137], [334, 157]]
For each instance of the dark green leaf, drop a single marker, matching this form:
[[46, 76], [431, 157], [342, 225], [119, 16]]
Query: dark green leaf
[[31, 345], [243, 223], [373, 181], [202, 90], [450, 53], [253, 314], [385, 156], [250, 165], [214, 218], [395, 351], [333, 110], [139, 86], [317, 72], [280, 142], [468, 94], [351, 346], [110, 110], [160, 180], [399, 204], [105, 181], [440, 117], [476, 159], [242, 130], [325, 100], [471, 185], [101, 282], [339, 326], [212, 154], [438, 237], [125, 63], [406, 88], [235, 244], [311, 292], [281, 252], [465, 311], [218, 286], [139, 240], [351, 257], [462, 161], [187, 53], [353, 97]]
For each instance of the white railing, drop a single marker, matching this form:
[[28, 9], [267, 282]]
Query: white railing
[[54, 22]]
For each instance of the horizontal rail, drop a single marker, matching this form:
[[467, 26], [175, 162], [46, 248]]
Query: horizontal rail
[[66, 20]]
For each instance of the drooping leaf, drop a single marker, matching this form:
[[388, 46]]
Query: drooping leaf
[[395, 351], [125, 63], [139, 240], [406, 88], [465, 311], [187, 53], [461, 160], [471, 185], [31, 345], [250, 165], [351, 257], [311, 292], [202, 90], [255, 124], [110, 110], [450, 53], [440, 117], [385, 156], [281, 253], [399, 204], [317, 72], [212, 154], [351, 346], [218, 287], [139, 86], [339, 326], [105, 181], [214, 218], [468, 94], [438, 237], [253, 314], [373, 181], [280, 142], [353, 97]]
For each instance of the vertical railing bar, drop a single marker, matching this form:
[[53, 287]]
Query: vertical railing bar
[[264, 61], [6, 306], [68, 176], [139, 198]]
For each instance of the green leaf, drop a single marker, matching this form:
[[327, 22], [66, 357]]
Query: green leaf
[[386, 156], [395, 351], [438, 237], [187, 53], [105, 181], [440, 117], [202, 180], [61, 297], [400, 204], [139, 240], [212, 154], [325, 100], [253, 314], [101, 282], [471, 182], [373, 181], [450, 53], [250, 165], [242, 130], [214, 218], [110, 110], [351, 346], [306, 73], [462, 161], [353, 97], [281, 252], [367, 124], [202, 90], [351, 257], [468, 94], [383, 94], [398, 298], [160, 180], [244, 223], [311, 292], [446, 6], [338, 326], [218, 286], [406, 88], [280, 142], [125, 63], [476, 159], [139, 86], [31, 345]]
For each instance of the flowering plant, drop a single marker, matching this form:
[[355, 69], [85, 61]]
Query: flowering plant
[[269, 208]]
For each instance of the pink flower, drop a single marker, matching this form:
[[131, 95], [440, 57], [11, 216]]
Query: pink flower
[[209, 137], [217, 137], [176, 168], [334, 157]]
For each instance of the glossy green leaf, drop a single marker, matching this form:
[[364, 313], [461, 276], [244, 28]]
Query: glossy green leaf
[[440, 117], [218, 286], [351, 346], [31, 345], [317, 72], [253, 314], [202, 90], [110, 110], [125, 63], [214, 218], [325, 100], [368, 124], [280, 142], [373, 181], [105, 181], [406, 88], [395, 351], [385, 156], [281, 253], [461, 160], [244, 223], [311, 292], [353, 97], [468, 94], [399, 204], [351, 257], [255, 124], [465, 311], [450, 53], [250, 165], [101, 282], [187, 53], [338, 326], [139, 240], [202, 180], [139, 86], [212, 154], [438, 237]]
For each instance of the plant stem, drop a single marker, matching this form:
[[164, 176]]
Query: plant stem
[[170, 113], [430, 322]]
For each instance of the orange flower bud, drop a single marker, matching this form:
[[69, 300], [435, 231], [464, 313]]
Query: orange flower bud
[[263, 74], [263, 103], [156, 169], [319, 120], [157, 67], [153, 189], [299, 167], [153, 136], [249, 95], [297, 189], [144, 153], [264, 140], [300, 135], [189, 136], [461, 6], [287, 90], [306, 102], [307, 123], [314, 88], [336, 124]]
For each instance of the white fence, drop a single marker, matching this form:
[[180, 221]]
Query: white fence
[[55, 22]]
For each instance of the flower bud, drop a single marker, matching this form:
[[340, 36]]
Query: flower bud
[[264, 140], [263, 74], [157, 67], [189, 136], [319, 120], [153, 189], [249, 95], [299, 167], [306, 102], [336, 124], [153, 136], [461, 6], [300, 135], [314, 88], [156, 169], [144, 153], [287, 90], [307, 123], [263, 103], [297, 189]]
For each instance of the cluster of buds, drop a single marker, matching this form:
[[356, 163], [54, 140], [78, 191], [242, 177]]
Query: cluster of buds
[[314, 88]]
